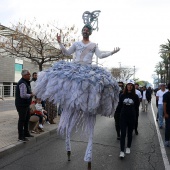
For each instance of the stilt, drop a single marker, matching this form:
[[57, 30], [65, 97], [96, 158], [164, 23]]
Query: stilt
[[89, 165], [69, 154], [68, 144]]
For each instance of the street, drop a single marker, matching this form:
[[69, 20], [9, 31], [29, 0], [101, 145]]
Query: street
[[50, 154]]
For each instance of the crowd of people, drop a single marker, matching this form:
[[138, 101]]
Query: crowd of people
[[127, 111]]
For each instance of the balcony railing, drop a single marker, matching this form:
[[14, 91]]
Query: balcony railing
[[7, 91]]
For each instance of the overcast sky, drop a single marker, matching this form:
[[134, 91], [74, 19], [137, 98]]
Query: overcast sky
[[138, 27]]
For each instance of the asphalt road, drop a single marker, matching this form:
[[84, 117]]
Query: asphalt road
[[50, 153]]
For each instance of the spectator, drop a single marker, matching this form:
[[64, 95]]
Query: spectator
[[40, 112], [137, 112], [166, 108], [117, 112], [159, 96], [149, 94], [155, 91], [51, 110], [146, 98], [33, 84], [22, 102], [33, 81], [128, 103]]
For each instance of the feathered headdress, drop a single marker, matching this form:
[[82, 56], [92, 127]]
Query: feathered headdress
[[91, 19]]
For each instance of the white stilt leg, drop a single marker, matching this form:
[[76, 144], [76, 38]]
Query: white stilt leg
[[88, 154], [69, 128], [68, 144]]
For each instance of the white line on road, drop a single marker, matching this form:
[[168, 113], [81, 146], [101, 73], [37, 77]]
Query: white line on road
[[163, 151]]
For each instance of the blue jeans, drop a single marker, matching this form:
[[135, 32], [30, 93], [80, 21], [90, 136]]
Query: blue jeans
[[160, 112]]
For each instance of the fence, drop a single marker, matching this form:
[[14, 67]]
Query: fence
[[7, 91]]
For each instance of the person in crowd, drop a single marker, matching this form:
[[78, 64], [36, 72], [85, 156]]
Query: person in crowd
[[155, 91], [129, 103], [51, 109], [149, 94], [146, 98], [166, 109], [40, 112], [159, 96], [80, 88], [117, 112], [33, 81], [23, 99], [137, 91]]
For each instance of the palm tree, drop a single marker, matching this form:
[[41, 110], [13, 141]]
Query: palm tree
[[160, 71], [166, 63], [165, 51]]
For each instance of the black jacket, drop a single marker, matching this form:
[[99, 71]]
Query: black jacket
[[148, 95], [20, 102], [128, 105]]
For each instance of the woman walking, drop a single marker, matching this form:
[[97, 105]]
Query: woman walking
[[128, 103]]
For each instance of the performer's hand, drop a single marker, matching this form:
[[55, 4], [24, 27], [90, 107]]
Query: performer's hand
[[115, 50], [58, 38]]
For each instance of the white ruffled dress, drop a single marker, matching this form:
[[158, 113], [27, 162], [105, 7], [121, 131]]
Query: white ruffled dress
[[82, 89]]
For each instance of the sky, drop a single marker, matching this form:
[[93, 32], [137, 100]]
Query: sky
[[138, 27]]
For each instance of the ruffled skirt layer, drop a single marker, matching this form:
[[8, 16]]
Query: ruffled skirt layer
[[82, 91]]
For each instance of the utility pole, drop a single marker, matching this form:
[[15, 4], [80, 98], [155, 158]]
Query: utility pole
[[120, 70], [97, 58], [134, 73]]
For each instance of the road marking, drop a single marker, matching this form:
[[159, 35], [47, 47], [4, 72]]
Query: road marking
[[162, 147]]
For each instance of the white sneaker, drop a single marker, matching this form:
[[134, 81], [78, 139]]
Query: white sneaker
[[122, 154], [48, 122], [41, 126], [127, 150]]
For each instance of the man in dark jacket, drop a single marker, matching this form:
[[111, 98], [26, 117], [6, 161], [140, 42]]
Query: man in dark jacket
[[23, 98]]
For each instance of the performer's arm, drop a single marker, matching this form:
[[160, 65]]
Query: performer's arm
[[102, 54], [70, 51]]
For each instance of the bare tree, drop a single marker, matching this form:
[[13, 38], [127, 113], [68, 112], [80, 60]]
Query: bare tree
[[116, 73], [123, 73], [34, 42]]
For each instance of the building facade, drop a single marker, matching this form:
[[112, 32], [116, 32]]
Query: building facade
[[10, 73]]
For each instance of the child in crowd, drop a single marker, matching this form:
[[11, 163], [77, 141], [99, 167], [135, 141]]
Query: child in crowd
[[40, 112]]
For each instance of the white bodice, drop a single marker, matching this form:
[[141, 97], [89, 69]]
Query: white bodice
[[78, 47]]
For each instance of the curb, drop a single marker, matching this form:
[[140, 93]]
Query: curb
[[32, 141]]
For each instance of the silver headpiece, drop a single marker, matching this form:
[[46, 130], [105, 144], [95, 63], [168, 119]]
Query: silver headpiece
[[91, 18]]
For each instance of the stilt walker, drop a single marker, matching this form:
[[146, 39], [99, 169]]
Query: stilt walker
[[82, 89]]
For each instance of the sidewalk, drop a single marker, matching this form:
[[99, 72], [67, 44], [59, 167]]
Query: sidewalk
[[9, 133]]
